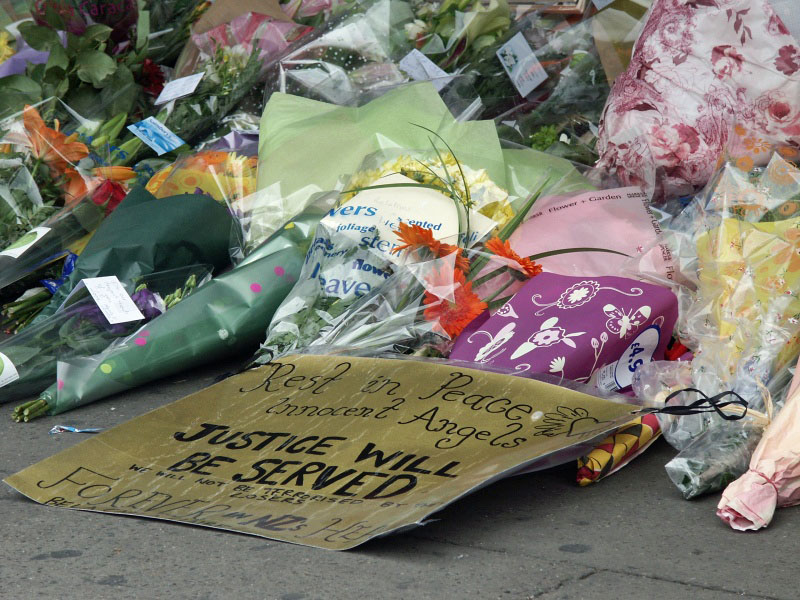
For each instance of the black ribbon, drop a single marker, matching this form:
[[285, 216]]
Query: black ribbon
[[705, 404]]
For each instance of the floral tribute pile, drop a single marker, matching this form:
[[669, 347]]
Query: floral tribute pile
[[609, 200]]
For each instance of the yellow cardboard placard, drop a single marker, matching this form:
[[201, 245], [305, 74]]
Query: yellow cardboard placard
[[325, 451]]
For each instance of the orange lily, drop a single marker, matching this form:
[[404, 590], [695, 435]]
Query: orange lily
[[51, 146]]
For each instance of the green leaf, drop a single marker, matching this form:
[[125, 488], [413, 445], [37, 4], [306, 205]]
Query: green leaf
[[58, 58], [120, 95], [142, 29], [82, 100], [36, 72], [20, 83], [97, 33], [39, 38], [95, 67]]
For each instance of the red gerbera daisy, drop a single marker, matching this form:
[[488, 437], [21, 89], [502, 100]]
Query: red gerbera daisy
[[453, 313], [503, 249]]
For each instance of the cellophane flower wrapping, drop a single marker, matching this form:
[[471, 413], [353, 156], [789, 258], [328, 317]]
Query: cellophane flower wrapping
[[182, 230], [79, 328], [698, 70], [355, 246], [222, 319], [225, 176], [336, 140], [560, 115], [357, 56], [245, 35], [773, 477], [232, 57], [427, 300], [45, 166], [731, 257]]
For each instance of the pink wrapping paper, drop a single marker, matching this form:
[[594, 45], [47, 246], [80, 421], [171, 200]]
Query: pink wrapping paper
[[701, 70], [616, 219], [773, 480]]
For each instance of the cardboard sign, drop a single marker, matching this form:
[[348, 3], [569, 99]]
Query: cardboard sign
[[325, 451]]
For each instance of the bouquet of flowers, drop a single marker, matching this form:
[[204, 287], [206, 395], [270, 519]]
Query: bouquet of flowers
[[58, 164], [232, 58], [354, 53], [80, 328], [733, 250], [59, 235], [182, 230], [221, 319], [225, 176], [353, 246], [556, 108]]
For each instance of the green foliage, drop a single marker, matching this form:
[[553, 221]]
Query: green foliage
[[81, 72]]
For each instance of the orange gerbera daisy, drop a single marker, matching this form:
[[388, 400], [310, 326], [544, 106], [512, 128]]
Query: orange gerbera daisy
[[416, 237], [503, 250], [452, 314], [51, 146]]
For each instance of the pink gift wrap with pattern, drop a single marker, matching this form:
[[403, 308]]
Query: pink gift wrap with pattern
[[597, 330], [700, 71]]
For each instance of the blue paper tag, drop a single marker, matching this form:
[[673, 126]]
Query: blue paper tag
[[153, 133]]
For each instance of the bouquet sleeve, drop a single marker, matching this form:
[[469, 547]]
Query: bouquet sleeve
[[773, 479], [336, 139], [223, 318], [182, 230], [80, 328]]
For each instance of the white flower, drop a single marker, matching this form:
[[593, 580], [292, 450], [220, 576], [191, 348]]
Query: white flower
[[557, 364], [415, 29], [223, 334]]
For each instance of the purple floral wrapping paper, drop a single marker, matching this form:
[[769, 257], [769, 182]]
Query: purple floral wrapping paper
[[597, 330]]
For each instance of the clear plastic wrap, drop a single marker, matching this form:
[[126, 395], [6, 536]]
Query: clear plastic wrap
[[50, 240], [734, 268], [365, 52], [232, 61], [560, 114], [225, 176], [355, 247], [222, 319], [79, 328]]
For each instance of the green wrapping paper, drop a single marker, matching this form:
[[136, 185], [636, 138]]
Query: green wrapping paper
[[223, 318], [307, 147], [145, 234]]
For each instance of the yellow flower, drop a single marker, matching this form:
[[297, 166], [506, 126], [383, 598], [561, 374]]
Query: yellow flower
[[6, 51], [485, 196]]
